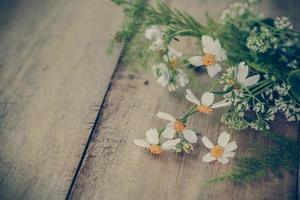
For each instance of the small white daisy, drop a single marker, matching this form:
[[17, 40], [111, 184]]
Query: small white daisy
[[213, 54], [155, 34], [206, 104], [176, 126], [172, 57], [241, 76], [220, 152], [151, 143]]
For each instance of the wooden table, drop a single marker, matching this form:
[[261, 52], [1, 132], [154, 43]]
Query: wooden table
[[69, 112]]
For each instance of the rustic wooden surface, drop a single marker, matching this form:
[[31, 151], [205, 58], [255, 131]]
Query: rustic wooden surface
[[53, 73], [115, 168]]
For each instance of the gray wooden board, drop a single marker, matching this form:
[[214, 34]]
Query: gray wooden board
[[115, 168], [54, 72]]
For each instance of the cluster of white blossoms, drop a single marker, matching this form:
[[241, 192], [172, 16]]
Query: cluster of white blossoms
[[283, 23], [293, 64], [168, 71], [237, 80], [288, 108], [220, 152], [235, 10], [282, 103], [178, 137], [261, 40]]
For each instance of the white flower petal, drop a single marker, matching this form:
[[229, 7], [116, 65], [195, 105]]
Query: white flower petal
[[174, 53], [172, 87], [207, 98], [231, 146], [191, 97], [208, 157], [157, 45], [214, 69], [229, 154], [220, 104], [215, 48], [169, 132], [152, 136], [165, 58], [190, 136], [242, 72], [221, 56], [182, 78], [141, 143], [164, 78], [196, 61], [207, 142], [170, 144], [153, 33], [166, 116], [251, 80], [223, 139], [223, 160], [207, 42]]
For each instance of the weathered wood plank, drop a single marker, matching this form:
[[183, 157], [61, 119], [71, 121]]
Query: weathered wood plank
[[116, 169], [54, 71]]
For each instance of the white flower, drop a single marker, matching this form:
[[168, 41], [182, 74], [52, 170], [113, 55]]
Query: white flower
[[155, 34], [235, 10], [180, 80], [206, 104], [213, 53], [220, 152], [283, 23], [176, 126], [242, 73], [161, 71], [173, 78], [257, 44], [172, 57], [152, 143]]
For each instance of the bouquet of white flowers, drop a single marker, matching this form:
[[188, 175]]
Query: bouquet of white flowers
[[253, 60]]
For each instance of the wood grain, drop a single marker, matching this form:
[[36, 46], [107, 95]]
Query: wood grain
[[54, 72], [116, 169]]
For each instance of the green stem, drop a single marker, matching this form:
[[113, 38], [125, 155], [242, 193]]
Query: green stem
[[189, 113]]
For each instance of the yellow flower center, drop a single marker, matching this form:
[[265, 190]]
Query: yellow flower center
[[217, 151], [231, 82], [208, 59], [204, 109], [155, 149], [173, 61], [179, 126]]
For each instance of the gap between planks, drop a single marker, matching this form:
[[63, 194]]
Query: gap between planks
[[94, 127]]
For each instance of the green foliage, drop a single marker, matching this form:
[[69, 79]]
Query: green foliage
[[294, 80], [177, 23], [270, 51], [281, 153], [134, 12]]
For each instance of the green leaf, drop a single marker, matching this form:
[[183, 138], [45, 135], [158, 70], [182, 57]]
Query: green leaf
[[294, 81]]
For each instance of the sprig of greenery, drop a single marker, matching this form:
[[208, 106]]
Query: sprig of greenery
[[134, 14], [238, 36]]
